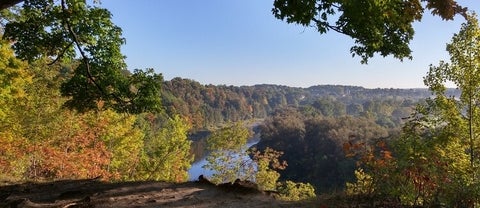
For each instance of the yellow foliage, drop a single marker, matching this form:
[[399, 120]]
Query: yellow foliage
[[291, 191], [13, 78], [363, 185]]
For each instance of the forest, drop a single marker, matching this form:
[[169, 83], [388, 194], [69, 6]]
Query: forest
[[69, 109], [209, 105]]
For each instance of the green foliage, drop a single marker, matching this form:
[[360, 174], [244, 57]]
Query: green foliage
[[166, 155], [314, 145], [291, 191], [64, 144], [39, 139], [14, 79], [71, 30], [123, 140], [285, 124], [231, 137], [56, 143], [377, 26], [460, 125], [431, 164], [36, 119], [436, 157], [144, 92], [227, 158]]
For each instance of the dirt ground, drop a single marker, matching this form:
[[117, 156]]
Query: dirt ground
[[94, 193]]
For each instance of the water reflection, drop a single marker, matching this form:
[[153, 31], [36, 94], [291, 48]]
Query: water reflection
[[197, 170]]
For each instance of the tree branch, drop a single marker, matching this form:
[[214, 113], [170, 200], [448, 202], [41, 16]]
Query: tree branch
[[4, 4], [334, 28], [61, 54], [85, 58], [82, 53]]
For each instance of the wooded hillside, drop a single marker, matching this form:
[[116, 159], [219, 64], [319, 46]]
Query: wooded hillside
[[208, 105]]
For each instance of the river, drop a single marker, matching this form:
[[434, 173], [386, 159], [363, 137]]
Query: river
[[197, 168]]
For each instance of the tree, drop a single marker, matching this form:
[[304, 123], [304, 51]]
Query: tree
[[459, 115], [312, 145], [74, 149], [123, 139], [437, 155], [267, 163], [383, 27], [166, 153], [39, 139], [14, 79], [73, 31], [464, 71], [228, 156]]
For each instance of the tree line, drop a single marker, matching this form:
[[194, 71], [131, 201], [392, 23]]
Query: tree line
[[209, 105]]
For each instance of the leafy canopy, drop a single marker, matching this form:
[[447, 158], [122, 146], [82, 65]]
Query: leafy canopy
[[377, 26], [72, 31]]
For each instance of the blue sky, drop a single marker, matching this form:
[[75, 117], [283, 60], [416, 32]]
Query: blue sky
[[239, 42]]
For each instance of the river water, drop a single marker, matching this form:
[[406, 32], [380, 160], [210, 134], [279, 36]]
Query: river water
[[197, 168]]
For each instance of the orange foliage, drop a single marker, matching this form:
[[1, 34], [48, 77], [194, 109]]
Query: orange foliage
[[11, 150], [375, 156], [79, 154]]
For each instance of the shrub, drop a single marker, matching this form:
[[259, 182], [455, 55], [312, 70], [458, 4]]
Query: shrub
[[291, 191]]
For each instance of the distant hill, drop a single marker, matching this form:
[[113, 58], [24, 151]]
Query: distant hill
[[357, 94], [209, 105]]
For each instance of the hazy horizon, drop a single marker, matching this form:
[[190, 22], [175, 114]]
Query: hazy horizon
[[349, 85]]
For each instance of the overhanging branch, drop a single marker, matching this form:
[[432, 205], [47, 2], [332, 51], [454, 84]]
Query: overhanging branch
[[85, 59], [4, 4]]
